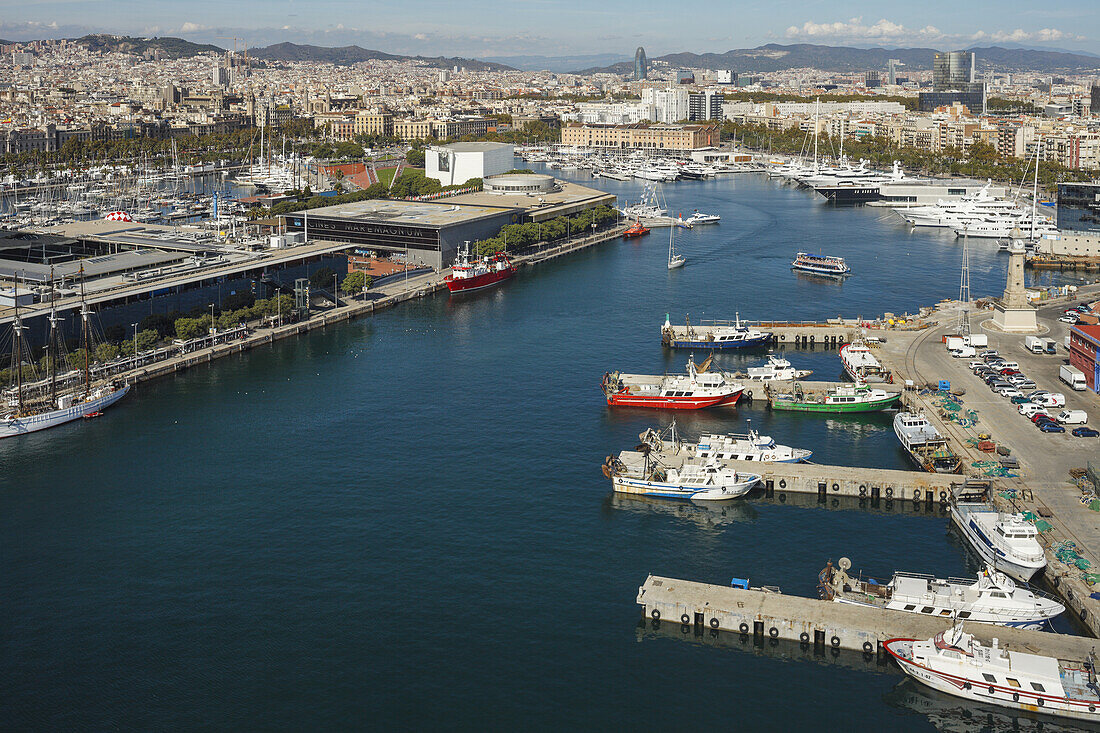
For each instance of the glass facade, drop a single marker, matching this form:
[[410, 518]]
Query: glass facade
[[952, 70], [1079, 207], [640, 68]]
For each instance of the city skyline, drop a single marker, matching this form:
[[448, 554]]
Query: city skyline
[[537, 27]]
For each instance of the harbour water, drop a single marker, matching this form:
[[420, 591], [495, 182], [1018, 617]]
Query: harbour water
[[401, 521]]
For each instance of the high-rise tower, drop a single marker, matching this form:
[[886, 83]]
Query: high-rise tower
[[640, 66]]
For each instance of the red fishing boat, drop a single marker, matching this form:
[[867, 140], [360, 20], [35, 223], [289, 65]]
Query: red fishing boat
[[635, 230], [467, 274]]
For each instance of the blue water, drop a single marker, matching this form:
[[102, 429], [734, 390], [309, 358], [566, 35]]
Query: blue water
[[401, 521]]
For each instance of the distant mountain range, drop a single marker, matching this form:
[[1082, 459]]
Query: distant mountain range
[[346, 55], [169, 46], [559, 64], [775, 57]]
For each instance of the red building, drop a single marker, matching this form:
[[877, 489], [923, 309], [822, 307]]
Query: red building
[[1084, 346]]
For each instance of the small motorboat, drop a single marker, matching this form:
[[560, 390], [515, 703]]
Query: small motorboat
[[635, 230]]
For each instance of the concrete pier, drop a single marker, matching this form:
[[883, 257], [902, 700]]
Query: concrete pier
[[832, 334], [773, 615]]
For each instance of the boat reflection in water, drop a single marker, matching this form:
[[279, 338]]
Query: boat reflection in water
[[705, 514], [952, 715]]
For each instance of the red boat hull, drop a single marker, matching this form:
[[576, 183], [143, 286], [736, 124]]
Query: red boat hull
[[623, 399], [489, 279]]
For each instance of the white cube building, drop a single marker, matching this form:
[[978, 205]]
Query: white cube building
[[454, 164]]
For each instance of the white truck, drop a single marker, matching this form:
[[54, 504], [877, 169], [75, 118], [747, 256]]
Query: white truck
[[1072, 417], [954, 342], [1050, 345], [1072, 376], [977, 340], [1034, 344]]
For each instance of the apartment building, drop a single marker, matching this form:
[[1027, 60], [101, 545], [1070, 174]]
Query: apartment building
[[647, 137]]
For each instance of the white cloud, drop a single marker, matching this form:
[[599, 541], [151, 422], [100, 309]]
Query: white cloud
[[421, 36], [190, 27], [856, 29], [885, 30]]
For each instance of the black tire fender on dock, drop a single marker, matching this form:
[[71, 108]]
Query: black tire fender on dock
[[655, 614], [1015, 697], [943, 496], [889, 491], [714, 623], [1057, 580], [916, 494], [782, 483], [773, 632], [685, 619], [862, 490], [835, 641], [868, 647], [1040, 702], [1084, 613], [744, 628], [804, 638], [836, 487]]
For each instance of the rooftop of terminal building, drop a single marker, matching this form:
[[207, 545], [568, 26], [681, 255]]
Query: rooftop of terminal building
[[423, 213]]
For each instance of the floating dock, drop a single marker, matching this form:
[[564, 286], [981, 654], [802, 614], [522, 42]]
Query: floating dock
[[832, 333], [767, 614]]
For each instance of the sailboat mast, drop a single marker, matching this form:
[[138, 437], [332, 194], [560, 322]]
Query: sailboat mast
[[51, 348], [85, 338], [1035, 187], [17, 345], [817, 123]]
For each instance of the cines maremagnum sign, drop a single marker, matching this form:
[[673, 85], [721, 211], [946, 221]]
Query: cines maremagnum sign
[[371, 235]]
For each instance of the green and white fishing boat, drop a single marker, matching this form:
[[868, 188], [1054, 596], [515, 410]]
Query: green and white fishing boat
[[856, 398]]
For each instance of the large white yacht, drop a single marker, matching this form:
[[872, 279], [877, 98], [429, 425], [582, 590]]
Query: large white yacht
[[993, 598], [1008, 542]]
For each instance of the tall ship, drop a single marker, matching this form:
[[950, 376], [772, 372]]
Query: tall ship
[[469, 274], [65, 394], [856, 398], [699, 388], [956, 663], [861, 365], [823, 265], [1008, 542], [924, 444], [713, 335], [992, 598]]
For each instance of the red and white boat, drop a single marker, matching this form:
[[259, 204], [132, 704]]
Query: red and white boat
[[467, 274], [954, 662], [637, 229], [697, 389]]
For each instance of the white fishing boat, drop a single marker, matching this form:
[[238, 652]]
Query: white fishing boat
[[700, 218], [1008, 542], [955, 663], [708, 481], [993, 598], [924, 444], [861, 365], [777, 369], [667, 446]]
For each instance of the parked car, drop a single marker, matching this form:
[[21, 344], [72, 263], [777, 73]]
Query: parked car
[[988, 353], [976, 364], [1085, 432], [1083, 309], [1021, 400], [1008, 391], [1051, 427], [1068, 319], [1016, 378], [999, 385], [1009, 371], [1029, 409], [1071, 311], [1038, 417], [1025, 384]]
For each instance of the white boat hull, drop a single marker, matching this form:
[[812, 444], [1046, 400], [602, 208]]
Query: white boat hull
[[667, 490], [42, 421], [1015, 570]]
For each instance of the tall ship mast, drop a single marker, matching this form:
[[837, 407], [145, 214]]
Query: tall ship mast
[[64, 394]]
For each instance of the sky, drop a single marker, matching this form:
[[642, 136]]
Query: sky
[[488, 28]]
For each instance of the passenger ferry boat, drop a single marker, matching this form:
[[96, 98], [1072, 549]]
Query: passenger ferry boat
[[1008, 542], [861, 365], [955, 663], [713, 335], [697, 389], [723, 447], [467, 275], [924, 444], [993, 598], [857, 398], [708, 481], [821, 265]]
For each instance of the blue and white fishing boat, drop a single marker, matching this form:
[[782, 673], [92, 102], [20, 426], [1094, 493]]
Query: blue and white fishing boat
[[713, 335], [708, 481]]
